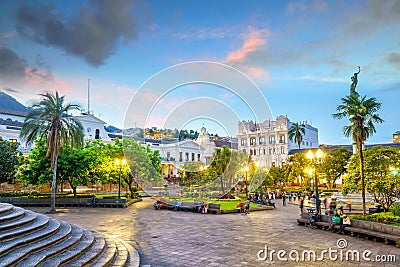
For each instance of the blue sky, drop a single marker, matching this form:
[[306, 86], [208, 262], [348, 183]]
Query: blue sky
[[299, 54]]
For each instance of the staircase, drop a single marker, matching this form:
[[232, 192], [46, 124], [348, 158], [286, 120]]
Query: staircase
[[31, 239]]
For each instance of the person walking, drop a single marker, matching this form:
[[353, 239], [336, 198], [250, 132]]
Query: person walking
[[284, 199], [301, 204]]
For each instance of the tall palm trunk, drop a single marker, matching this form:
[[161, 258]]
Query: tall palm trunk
[[361, 156], [53, 188]]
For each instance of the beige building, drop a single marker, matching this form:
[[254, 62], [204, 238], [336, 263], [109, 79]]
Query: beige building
[[268, 142]]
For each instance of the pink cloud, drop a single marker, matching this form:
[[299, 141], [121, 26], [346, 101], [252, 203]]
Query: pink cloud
[[253, 41]]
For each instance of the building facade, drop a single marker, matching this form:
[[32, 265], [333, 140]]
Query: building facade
[[268, 142]]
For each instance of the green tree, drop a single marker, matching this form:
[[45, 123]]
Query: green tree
[[296, 133], [74, 168], [334, 165], [380, 178], [362, 114], [155, 158], [51, 117], [298, 163], [276, 176], [194, 173], [8, 160], [141, 168], [35, 169]]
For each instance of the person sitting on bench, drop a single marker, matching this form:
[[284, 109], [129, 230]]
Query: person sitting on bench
[[178, 204], [346, 222]]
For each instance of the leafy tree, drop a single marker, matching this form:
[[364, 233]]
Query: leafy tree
[[142, 170], [296, 133], [194, 173], [362, 114], [8, 160], [155, 158], [380, 180], [334, 165], [276, 176], [298, 163], [51, 117], [74, 168], [35, 169]]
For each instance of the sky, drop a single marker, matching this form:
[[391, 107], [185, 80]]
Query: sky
[[185, 64]]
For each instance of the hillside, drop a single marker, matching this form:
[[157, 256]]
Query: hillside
[[8, 102]]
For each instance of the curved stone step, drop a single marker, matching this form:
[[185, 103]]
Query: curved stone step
[[122, 254], [92, 254], [39, 223], [50, 228], [6, 208], [27, 218], [14, 214], [63, 258], [127, 255], [34, 260], [20, 253], [108, 255]]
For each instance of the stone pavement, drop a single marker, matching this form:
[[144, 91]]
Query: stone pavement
[[168, 238]]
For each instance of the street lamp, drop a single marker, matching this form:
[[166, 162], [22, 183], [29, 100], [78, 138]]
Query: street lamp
[[246, 170], [120, 163], [315, 159]]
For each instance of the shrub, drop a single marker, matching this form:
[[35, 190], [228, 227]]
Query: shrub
[[395, 208], [383, 217]]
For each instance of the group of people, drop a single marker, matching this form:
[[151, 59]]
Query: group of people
[[339, 219]]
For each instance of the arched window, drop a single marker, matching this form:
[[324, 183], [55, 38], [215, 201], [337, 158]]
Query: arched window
[[97, 136]]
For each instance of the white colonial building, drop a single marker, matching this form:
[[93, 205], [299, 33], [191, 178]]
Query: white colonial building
[[268, 142], [11, 122], [94, 128], [174, 155]]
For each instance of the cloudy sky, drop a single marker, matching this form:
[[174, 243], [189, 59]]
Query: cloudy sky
[[181, 64]]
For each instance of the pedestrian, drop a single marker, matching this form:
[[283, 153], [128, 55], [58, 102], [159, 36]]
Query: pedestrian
[[284, 199], [301, 204], [294, 196]]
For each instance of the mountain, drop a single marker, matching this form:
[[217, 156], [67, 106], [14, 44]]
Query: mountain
[[9, 102]]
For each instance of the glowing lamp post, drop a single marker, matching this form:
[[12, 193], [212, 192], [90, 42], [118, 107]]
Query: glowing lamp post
[[315, 159], [120, 163]]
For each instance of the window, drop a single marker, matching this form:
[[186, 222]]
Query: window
[[270, 151], [264, 151], [192, 156], [168, 155], [97, 135], [13, 141], [282, 150], [306, 143], [302, 142], [251, 152], [255, 152], [180, 156], [281, 139], [244, 150], [274, 151], [243, 142], [252, 141], [198, 157], [187, 156], [262, 140], [272, 139]]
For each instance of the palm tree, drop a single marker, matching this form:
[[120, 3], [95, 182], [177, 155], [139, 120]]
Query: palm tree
[[362, 114], [49, 118], [296, 133], [220, 162]]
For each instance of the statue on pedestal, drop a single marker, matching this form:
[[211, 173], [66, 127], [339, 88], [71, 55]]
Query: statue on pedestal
[[354, 79]]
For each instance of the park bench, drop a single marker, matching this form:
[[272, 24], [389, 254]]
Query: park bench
[[374, 230], [111, 203], [214, 208]]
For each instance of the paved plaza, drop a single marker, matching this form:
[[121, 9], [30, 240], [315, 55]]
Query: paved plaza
[[168, 238]]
